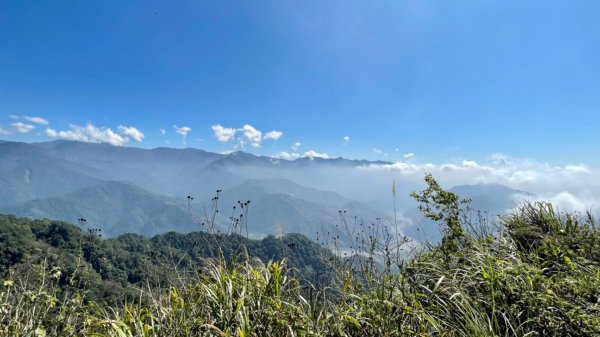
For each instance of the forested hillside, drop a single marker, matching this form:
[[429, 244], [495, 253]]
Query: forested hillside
[[111, 270]]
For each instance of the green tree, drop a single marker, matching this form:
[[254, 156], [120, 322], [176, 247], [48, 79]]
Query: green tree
[[438, 204]]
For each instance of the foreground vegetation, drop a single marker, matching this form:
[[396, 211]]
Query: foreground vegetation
[[538, 274]]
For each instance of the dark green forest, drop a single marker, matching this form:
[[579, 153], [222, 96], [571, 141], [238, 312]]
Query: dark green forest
[[111, 269]]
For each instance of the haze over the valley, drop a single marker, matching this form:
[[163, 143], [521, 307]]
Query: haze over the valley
[[126, 189]]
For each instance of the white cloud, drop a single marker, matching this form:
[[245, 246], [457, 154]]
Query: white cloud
[[577, 169], [402, 167], [287, 155], [314, 154], [90, 134], [295, 155], [449, 167], [409, 155], [296, 146], [346, 139], [223, 134], [22, 127], [563, 200], [4, 132], [37, 120], [567, 201], [130, 131], [183, 131], [273, 135], [163, 132], [250, 135], [469, 164]]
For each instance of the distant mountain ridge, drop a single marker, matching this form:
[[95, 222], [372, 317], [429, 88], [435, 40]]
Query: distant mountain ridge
[[123, 189], [144, 191]]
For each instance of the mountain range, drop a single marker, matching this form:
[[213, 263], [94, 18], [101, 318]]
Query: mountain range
[[148, 191]]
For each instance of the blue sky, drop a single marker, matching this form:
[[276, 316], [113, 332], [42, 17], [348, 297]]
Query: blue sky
[[444, 80]]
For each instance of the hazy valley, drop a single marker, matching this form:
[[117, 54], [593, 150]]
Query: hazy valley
[[144, 191]]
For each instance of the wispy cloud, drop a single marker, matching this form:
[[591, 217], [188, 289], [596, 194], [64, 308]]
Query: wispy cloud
[[36, 120], [296, 146], [183, 131], [346, 140], [379, 152], [163, 131], [20, 127]]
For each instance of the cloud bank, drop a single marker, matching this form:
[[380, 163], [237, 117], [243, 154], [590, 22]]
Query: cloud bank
[[93, 134], [308, 154], [573, 187]]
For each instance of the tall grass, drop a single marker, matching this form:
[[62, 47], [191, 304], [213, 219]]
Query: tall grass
[[538, 275]]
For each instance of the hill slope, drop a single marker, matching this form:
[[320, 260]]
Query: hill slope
[[115, 207]]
